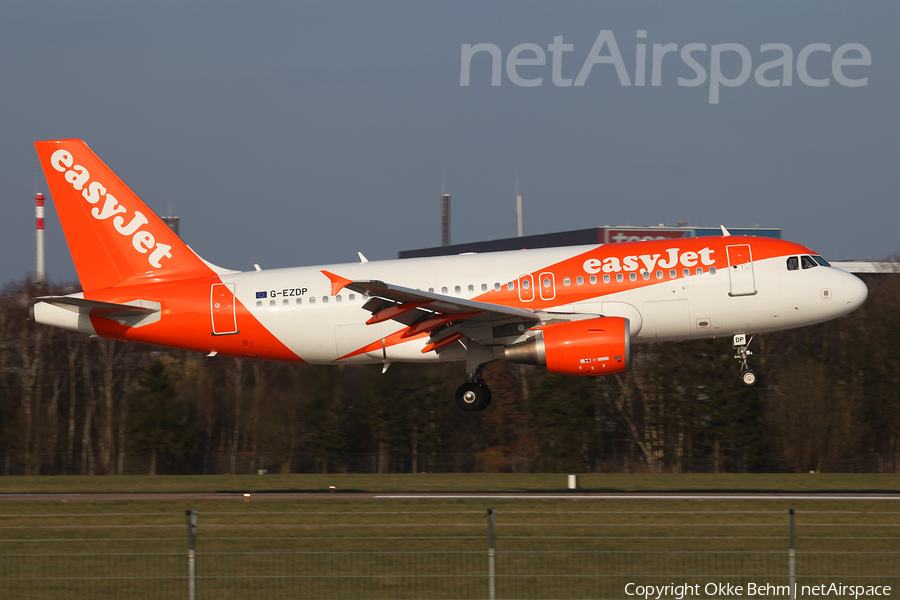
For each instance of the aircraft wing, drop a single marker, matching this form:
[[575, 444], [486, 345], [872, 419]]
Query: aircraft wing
[[443, 317]]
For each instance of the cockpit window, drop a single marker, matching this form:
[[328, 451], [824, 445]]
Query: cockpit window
[[821, 261], [792, 263], [807, 262]]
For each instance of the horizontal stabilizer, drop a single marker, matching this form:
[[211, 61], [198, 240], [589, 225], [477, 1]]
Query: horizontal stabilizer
[[102, 309]]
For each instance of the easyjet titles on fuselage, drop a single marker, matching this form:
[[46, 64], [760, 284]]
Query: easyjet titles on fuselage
[[94, 191], [612, 264]]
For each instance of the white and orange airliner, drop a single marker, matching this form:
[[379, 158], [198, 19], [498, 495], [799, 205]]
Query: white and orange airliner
[[574, 310]]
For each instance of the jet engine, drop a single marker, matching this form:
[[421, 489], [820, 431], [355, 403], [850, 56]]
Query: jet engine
[[600, 346]]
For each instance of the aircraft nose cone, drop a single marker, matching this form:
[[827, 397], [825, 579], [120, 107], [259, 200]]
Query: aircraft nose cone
[[855, 292]]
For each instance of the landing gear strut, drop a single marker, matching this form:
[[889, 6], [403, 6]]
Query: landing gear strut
[[742, 347]]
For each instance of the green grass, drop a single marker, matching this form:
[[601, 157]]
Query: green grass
[[445, 524], [431, 548], [457, 482]]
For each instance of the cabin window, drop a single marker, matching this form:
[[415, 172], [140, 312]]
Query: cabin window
[[471, 288], [593, 279], [350, 298], [271, 304], [497, 287], [579, 280], [444, 289], [686, 272], [699, 270], [567, 282], [512, 285], [619, 277], [659, 274], [337, 298], [299, 301], [324, 299], [259, 304], [483, 287], [633, 276], [673, 273], [525, 284], [286, 303], [712, 270], [457, 290], [646, 275], [606, 278], [312, 300]]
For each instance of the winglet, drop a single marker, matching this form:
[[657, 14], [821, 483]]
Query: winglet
[[337, 282], [725, 232]]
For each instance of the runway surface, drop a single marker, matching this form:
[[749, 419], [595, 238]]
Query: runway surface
[[325, 496]]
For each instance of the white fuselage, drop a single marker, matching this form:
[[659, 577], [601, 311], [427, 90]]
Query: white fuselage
[[301, 311]]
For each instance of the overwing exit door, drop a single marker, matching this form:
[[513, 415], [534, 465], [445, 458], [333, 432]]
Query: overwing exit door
[[224, 316], [740, 270], [548, 286]]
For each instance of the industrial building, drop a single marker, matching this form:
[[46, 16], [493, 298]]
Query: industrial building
[[579, 237]]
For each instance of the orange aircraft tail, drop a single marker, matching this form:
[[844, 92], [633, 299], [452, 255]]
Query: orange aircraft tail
[[113, 236]]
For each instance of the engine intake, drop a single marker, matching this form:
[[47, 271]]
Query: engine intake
[[600, 346]]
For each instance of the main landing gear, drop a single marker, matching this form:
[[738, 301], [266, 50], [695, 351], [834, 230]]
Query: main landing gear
[[474, 394], [742, 347]]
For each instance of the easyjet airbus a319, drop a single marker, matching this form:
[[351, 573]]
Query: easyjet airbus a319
[[573, 310]]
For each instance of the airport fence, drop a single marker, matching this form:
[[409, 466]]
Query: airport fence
[[262, 554]]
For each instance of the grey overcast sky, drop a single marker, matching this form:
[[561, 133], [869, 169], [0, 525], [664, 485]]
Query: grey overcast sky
[[298, 133]]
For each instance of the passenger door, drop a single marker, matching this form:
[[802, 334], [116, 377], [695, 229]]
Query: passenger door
[[740, 270], [224, 316]]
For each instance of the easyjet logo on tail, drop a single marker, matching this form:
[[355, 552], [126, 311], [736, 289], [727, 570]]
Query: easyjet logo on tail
[[106, 206], [674, 256]]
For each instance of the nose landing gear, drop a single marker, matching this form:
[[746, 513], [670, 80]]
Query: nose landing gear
[[742, 347]]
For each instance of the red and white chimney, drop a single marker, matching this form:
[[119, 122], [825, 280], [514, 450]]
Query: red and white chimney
[[39, 213]]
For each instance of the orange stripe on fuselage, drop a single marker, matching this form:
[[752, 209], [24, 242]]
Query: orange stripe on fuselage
[[386, 342], [186, 321], [633, 257]]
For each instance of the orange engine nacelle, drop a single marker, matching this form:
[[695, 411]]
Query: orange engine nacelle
[[600, 346]]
